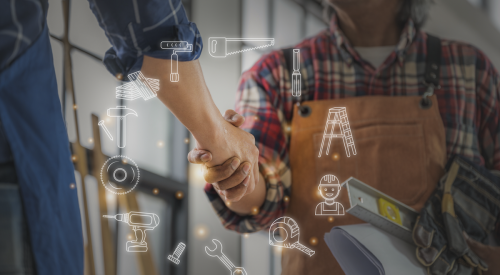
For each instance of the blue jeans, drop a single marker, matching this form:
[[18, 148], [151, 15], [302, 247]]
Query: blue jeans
[[15, 251]]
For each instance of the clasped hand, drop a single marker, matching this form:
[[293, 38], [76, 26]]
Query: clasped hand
[[238, 175]]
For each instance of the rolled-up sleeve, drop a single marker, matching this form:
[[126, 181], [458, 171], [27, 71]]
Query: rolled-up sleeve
[[137, 27]]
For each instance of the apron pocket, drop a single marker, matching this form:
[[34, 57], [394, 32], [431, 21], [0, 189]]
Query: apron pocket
[[390, 158]]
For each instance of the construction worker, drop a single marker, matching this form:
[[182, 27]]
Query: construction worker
[[413, 101], [40, 226]]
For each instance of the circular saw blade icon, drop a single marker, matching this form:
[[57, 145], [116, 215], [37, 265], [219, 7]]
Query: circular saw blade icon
[[139, 86], [288, 231]]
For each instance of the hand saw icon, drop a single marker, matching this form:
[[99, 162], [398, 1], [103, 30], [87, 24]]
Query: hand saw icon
[[217, 46]]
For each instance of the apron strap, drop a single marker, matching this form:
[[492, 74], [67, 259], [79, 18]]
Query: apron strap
[[432, 60], [432, 69], [288, 54]]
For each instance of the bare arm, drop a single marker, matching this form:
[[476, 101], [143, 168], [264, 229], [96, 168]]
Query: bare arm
[[190, 101]]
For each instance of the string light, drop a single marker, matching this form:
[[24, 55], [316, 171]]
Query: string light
[[335, 156], [313, 241], [201, 231]]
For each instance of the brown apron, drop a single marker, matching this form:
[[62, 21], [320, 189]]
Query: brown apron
[[401, 151]]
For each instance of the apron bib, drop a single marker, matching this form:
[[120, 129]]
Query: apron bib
[[400, 150]]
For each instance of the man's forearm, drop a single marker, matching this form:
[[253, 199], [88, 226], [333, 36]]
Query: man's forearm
[[189, 99]]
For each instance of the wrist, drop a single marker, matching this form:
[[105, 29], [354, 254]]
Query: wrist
[[209, 132]]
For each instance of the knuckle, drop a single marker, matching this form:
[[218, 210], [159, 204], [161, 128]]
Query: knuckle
[[216, 186], [190, 157], [236, 192]]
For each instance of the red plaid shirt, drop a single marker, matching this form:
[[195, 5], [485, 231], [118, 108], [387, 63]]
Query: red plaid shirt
[[331, 68]]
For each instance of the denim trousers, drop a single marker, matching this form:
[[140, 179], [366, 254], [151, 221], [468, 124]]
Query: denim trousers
[[16, 256]]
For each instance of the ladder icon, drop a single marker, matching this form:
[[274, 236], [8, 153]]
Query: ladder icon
[[338, 116]]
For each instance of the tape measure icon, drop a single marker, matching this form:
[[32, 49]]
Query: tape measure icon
[[288, 231]]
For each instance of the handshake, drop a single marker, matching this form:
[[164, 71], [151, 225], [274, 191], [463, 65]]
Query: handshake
[[233, 168]]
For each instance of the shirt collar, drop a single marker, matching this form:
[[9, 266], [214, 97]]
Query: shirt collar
[[349, 54]]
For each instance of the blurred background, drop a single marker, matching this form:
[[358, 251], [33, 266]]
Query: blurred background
[[158, 143]]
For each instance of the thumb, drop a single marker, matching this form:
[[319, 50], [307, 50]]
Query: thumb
[[234, 118]]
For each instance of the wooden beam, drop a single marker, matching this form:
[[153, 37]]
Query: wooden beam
[[99, 159], [144, 259]]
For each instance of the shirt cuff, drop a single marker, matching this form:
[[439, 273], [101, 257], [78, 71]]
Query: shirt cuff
[[125, 59]]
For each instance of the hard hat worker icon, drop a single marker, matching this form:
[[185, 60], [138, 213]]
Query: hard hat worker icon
[[329, 188]]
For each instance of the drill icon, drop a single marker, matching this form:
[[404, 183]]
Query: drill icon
[[140, 222]]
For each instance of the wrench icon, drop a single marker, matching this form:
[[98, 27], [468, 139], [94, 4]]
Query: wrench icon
[[217, 252]]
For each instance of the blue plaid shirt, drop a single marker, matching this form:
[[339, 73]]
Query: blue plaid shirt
[[134, 28]]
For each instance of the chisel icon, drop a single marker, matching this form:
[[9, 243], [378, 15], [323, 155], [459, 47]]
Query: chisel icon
[[296, 76]]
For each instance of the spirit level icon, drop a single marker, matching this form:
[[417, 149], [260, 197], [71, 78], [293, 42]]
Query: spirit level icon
[[177, 47], [177, 253], [338, 116], [296, 76], [217, 46], [139, 86], [288, 230], [217, 252]]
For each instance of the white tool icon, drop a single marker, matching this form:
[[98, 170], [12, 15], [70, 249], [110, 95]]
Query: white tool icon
[[217, 252], [139, 86], [329, 188], [121, 113], [296, 77], [338, 115], [101, 123], [217, 46], [177, 253], [290, 239], [140, 222], [177, 47]]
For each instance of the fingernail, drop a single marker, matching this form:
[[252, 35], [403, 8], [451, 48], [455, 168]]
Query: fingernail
[[234, 117], [204, 157], [246, 168], [245, 182], [223, 193], [235, 163]]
